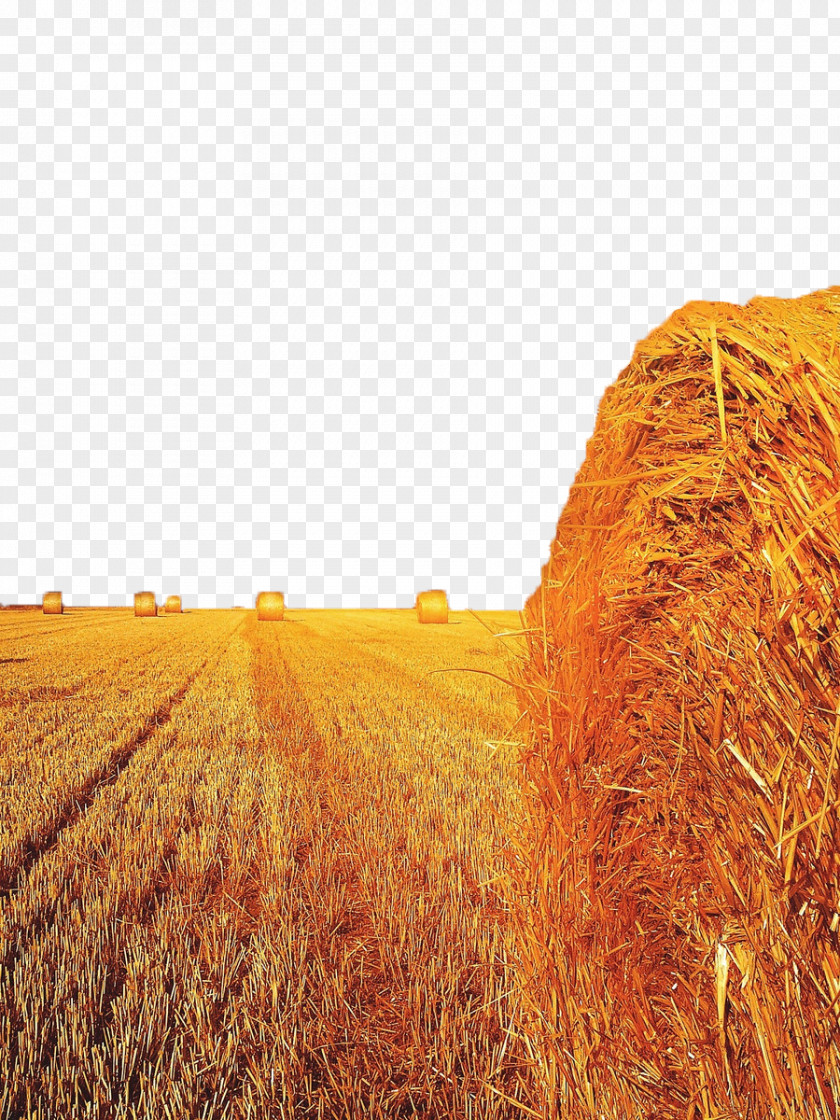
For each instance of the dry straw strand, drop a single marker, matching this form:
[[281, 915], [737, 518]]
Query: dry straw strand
[[52, 603], [145, 605], [270, 606], [432, 606], [679, 916]]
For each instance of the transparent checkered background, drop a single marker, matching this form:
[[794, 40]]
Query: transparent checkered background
[[326, 301]]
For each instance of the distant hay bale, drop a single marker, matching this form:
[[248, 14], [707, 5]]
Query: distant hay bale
[[173, 604], [53, 603], [145, 605], [682, 682], [432, 607], [270, 606]]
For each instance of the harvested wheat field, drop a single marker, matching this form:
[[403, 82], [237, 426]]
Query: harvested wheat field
[[253, 871], [679, 919]]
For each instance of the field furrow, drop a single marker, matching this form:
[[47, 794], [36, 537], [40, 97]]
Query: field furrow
[[82, 727], [395, 852], [51, 653], [461, 663], [104, 651], [39, 628], [65, 815], [64, 934]]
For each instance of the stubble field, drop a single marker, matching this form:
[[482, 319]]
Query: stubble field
[[254, 869]]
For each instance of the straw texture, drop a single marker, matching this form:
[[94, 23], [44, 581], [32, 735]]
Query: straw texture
[[173, 604], [53, 603], [432, 606], [145, 605], [683, 687], [270, 606]]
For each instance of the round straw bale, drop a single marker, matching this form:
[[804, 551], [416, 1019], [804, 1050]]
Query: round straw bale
[[683, 771], [270, 606], [145, 605], [53, 603], [173, 604], [432, 607]]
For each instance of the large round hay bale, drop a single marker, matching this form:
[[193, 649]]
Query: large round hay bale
[[270, 606], [432, 606], [145, 605], [683, 688], [173, 604], [52, 603]]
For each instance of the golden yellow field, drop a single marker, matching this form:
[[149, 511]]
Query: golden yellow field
[[251, 869]]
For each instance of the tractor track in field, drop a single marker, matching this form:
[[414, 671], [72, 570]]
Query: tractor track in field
[[59, 629], [394, 670], [288, 726], [10, 618], [378, 992], [159, 885], [375, 996], [116, 972], [40, 694], [29, 694], [36, 847], [380, 1021]]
